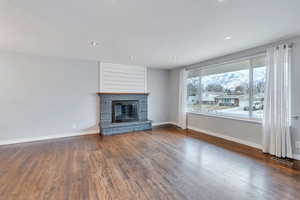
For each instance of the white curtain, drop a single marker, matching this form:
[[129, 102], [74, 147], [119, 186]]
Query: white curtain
[[277, 114], [182, 99]]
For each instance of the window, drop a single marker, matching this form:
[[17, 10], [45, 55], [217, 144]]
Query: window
[[235, 89]]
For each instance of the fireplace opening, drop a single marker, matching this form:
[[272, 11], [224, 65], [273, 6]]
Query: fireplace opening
[[124, 111]]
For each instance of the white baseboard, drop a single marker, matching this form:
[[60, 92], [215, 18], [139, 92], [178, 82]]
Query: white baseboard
[[296, 156], [174, 123], [160, 123], [226, 137], [164, 123], [33, 139]]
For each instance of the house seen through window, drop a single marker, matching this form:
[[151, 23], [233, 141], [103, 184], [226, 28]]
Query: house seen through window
[[235, 89]]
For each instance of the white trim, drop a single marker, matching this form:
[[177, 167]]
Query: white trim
[[251, 85], [250, 120], [174, 123], [226, 137], [165, 123], [33, 139], [160, 123], [296, 156]]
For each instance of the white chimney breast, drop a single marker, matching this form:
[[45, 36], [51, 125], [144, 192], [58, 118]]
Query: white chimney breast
[[118, 78]]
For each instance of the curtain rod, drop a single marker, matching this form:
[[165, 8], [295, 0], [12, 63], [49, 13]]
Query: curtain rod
[[285, 46]]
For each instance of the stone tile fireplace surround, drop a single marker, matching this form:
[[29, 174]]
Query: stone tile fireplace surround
[[107, 127]]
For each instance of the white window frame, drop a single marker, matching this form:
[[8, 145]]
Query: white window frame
[[250, 117]]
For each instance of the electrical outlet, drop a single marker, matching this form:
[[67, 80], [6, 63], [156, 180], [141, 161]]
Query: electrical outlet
[[297, 144]]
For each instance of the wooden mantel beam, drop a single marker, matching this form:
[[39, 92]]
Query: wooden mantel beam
[[122, 93]]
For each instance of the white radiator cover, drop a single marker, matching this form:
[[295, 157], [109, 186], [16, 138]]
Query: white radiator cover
[[118, 78]]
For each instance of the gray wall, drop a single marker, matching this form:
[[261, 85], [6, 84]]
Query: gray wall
[[246, 131], [158, 100], [174, 93], [46, 97], [42, 97]]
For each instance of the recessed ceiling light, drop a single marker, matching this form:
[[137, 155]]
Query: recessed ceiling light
[[94, 43], [220, 1], [228, 38], [132, 57]]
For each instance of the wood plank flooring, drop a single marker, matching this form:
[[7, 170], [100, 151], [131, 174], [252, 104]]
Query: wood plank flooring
[[159, 164]]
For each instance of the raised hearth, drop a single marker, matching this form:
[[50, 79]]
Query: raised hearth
[[121, 113]]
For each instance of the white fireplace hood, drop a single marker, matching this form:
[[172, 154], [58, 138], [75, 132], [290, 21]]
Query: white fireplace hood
[[118, 78]]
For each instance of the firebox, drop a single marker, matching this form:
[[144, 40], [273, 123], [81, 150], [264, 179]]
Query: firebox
[[125, 111]]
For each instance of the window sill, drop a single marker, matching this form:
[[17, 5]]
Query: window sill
[[255, 121]]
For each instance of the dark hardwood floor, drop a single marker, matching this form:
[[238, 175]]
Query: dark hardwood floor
[[160, 164]]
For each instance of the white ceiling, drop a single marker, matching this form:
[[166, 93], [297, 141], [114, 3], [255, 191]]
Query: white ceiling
[[157, 33]]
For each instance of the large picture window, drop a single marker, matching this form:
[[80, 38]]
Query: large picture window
[[235, 89]]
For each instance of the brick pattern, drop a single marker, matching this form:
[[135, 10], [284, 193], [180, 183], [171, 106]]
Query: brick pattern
[[106, 125]]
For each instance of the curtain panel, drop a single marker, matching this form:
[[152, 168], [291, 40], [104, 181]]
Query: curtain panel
[[277, 108]]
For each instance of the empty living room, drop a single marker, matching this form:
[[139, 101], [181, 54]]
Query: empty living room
[[136, 99]]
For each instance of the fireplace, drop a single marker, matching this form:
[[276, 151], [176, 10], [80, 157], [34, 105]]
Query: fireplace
[[121, 113], [125, 111]]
